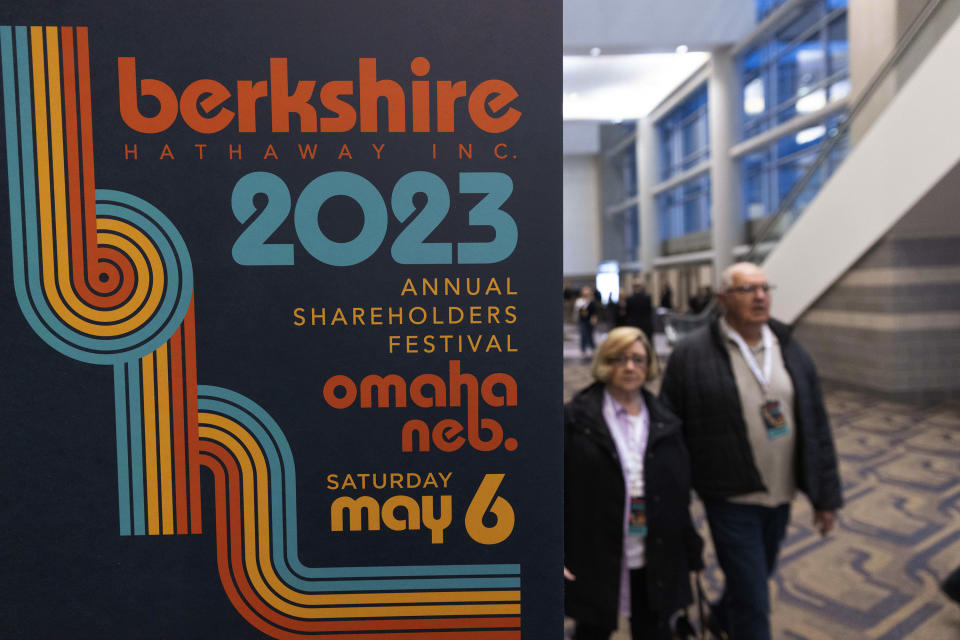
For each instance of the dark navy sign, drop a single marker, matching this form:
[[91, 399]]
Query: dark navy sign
[[277, 278]]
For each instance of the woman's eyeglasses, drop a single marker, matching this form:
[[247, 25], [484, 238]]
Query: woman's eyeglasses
[[621, 361]]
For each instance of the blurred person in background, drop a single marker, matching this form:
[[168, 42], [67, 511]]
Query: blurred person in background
[[585, 314], [754, 421], [612, 312], [666, 296], [640, 310], [630, 544]]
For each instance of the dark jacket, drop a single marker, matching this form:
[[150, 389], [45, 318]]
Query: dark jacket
[[594, 497], [640, 312], [699, 386]]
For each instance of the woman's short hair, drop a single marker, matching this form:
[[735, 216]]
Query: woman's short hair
[[616, 344]]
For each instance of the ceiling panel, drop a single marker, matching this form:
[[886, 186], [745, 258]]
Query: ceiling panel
[[645, 26]]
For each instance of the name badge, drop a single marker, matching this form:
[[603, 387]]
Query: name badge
[[638, 517], [773, 418]]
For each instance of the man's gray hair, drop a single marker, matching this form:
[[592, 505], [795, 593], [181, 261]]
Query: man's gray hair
[[726, 278]]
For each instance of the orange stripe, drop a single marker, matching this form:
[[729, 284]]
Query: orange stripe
[[164, 444], [83, 222], [79, 249], [86, 129], [228, 506], [193, 418], [179, 435], [89, 199]]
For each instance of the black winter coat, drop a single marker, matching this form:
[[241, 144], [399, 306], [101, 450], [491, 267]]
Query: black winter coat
[[594, 499], [699, 386]]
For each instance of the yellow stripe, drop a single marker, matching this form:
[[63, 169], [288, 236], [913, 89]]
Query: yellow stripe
[[165, 446], [147, 262], [66, 288], [242, 453], [150, 443], [43, 163], [55, 259], [47, 230], [61, 226], [114, 233], [404, 611], [256, 511]]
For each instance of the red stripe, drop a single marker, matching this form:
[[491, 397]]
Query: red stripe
[[79, 252], [177, 410], [192, 425], [123, 280], [120, 282], [83, 73], [233, 576], [223, 562]]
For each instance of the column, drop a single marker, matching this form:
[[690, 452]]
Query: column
[[649, 172], [723, 103]]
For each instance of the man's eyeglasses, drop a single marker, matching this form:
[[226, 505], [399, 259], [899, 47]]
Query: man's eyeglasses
[[752, 288], [621, 361]]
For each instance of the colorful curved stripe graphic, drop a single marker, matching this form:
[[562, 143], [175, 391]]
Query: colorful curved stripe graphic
[[257, 548], [158, 471], [101, 276], [105, 278]]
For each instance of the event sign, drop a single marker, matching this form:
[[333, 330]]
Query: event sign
[[281, 317]]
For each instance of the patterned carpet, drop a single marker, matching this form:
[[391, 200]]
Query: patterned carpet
[[876, 576]]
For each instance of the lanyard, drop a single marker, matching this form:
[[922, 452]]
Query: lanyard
[[762, 376], [638, 432], [631, 440]]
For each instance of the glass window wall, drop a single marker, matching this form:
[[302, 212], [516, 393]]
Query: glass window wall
[[621, 225], [769, 173], [619, 151], [685, 208], [799, 69], [621, 235], [684, 135]]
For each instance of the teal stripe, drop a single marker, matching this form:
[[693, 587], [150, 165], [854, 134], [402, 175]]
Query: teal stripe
[[25, 233], [45, 323], [29, 205], [26, 268], [13, 144], [13, 165]]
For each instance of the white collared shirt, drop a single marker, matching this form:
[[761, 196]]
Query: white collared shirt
[[630, 435]]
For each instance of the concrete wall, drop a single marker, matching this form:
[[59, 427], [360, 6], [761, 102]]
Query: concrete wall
[[872, 30], [892, 322], [581, 137]]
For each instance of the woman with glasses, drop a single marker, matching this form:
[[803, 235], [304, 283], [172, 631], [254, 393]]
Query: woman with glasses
[[629, 541]]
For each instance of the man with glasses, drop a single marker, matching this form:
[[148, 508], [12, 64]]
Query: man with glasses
[[756, 428]]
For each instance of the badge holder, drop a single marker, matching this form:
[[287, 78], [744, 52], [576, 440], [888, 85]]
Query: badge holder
[[638, 517], [773, 419]]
